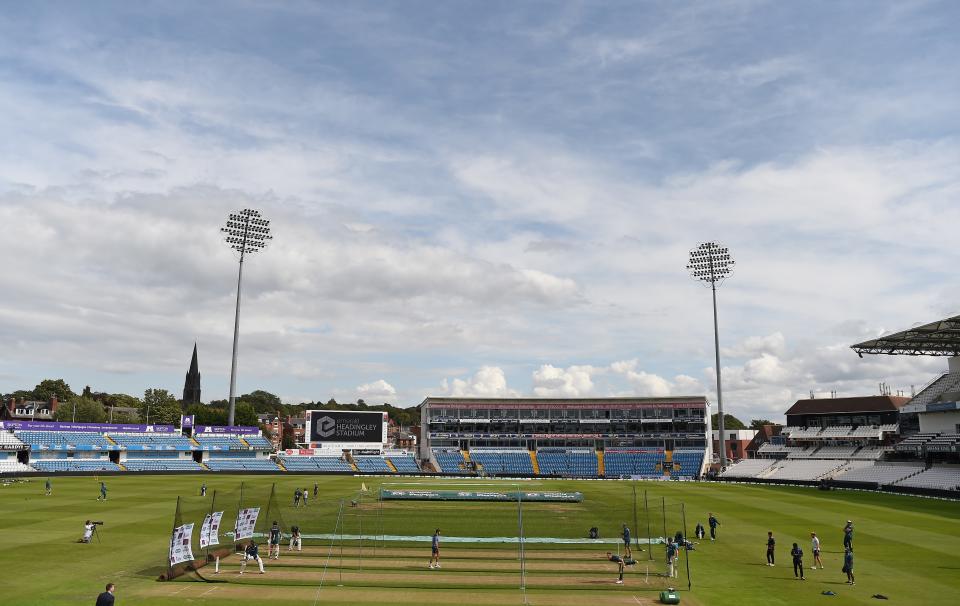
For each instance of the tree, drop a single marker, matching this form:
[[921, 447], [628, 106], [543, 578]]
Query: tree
[[262, 401], [161, 407], [758, 423], [53, 387], [729, 422], [244, 414], [81, 410], [207, 415]]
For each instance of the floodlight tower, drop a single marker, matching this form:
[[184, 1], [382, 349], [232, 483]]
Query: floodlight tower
[[712, 263], [246, 232]]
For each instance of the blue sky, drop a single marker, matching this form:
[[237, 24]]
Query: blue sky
[[477, 198]]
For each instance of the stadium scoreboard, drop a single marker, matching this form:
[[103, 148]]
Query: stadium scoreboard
[[347, 429]]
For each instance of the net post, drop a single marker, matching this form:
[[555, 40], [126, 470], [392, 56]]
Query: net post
[[686, 551], [646, 509], [360, 518], [663, 515], [177, 521], [636, 527]]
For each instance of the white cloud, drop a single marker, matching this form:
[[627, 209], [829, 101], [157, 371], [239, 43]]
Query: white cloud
[[572, 382], [376, 392], [488, 382]]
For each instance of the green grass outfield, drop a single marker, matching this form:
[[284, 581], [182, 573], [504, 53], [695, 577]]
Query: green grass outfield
[[906, 547]]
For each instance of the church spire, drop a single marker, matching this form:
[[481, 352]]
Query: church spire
[[191, 387]]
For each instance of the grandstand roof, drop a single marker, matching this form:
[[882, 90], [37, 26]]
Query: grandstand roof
[[564, 402], [847, 405], [940, 338]]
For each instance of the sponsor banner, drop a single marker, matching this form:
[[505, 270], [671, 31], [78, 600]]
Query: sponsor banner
[[5, 446], [181, 549], [229, 429], [474, 495], [546, 404], [303, 452], [209, 529], [94, 427], [186, 420], [246, 521], [942, 406], [327, 426]]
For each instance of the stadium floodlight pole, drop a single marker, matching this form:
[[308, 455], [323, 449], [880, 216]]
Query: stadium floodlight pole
[[711, 262], [246, 232]]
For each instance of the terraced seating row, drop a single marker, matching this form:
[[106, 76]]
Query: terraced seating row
[[315, 464], [242, 465], [161, 465], [686, 464], [66, 440], [617, 464], [13, 466], [503, 461], [220, 442], [258, 442], [55, 465], [153, 441], [572, 463], [945, 477], [404, 463], [372, 464], [449, 461]]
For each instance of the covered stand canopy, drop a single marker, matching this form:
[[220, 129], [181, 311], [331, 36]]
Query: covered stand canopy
[[940, 338]]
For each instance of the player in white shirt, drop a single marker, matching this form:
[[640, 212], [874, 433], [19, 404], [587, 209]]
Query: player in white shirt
[[815, 544]]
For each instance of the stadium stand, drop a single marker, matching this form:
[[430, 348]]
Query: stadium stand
[[507, 462], [944, 477], [9, 441], [372, 464], [690, 462], [801, 469], [404, 463], [448, 461], [13, 466], [915, 443], [258, 442], [317, 464], [618, 463], [577, 463], [65, 440], [748, 468], [159, 464], [241, 465], [948, 442], [153, 441], [220, 442], [881, 473], [55, 465]]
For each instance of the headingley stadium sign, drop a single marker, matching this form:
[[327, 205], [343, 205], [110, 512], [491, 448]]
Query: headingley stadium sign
[[347, 426]]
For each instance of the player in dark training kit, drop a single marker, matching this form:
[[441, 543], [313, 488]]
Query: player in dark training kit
[[621, 562], [273, 550], [713, 522], [797, 554], [771, 544]]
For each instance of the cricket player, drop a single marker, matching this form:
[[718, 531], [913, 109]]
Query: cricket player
[[304, 493], [815, 546], [103, 492], [296, 498], [251, 553], [435, 550], [797, 554], [621, 562], [713, 522], [771, 544], [848, 535], [48, 488], [626, 542], [295, 538], [672, 551], [848, 565], [273, 549]]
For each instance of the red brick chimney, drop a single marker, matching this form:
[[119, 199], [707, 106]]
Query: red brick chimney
[[11, 406], [53, 404]]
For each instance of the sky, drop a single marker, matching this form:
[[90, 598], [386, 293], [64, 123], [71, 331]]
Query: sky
[[477, 198]]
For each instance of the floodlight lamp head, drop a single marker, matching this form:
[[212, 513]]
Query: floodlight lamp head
[[246, 232], [710, 262]]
